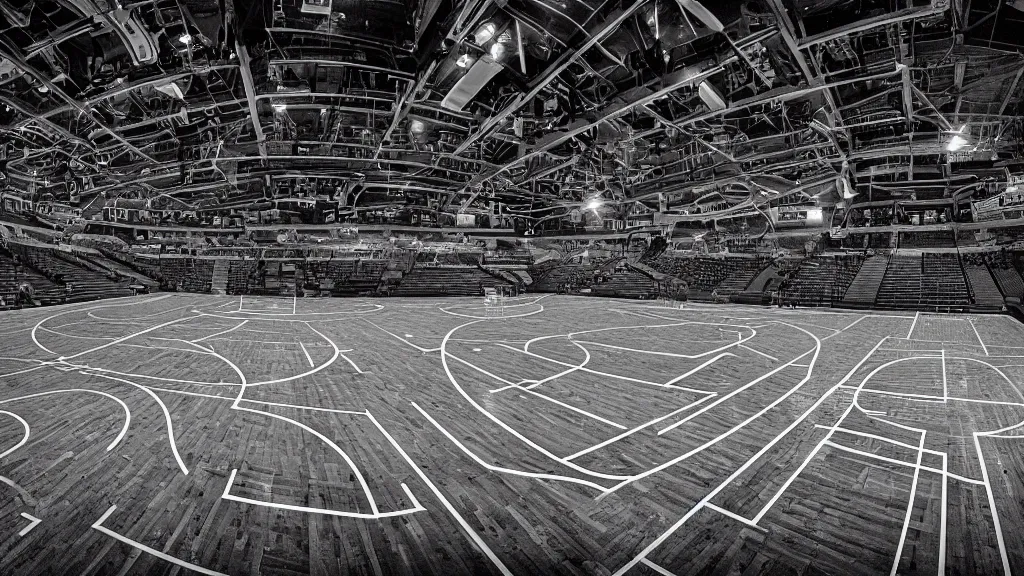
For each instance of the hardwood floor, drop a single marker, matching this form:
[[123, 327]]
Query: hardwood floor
[[178, 434]]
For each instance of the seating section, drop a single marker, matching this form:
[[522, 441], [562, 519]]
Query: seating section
[[985, 291], [11, 278], [823, 280], [61, 268], [929, 239], [865, 286], [1006, 275], [446, 281], [554, 279], [726, 275], [241, 276], [187, 274], [924, 282], [943, 282], [1009, 281], [625, 284]]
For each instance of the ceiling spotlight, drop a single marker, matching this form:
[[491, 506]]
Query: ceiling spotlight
[[464, 61], [956, 144], [497, 51], [279, 107], [185, 39], [417, 127], [484, 33], [594, 204]]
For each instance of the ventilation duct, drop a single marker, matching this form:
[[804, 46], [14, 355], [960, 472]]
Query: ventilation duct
[[470, 85]]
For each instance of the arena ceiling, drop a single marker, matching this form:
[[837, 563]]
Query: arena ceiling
[[678, 108]]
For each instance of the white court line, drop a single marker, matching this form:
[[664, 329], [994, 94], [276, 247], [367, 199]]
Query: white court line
[[421, 349], [295, 303], [326, 440], [803, 465], [25, 371], [167, 414], [739, 390], [734, 516], [573, 408], [992, 507], [23, 440], [910, 508], [300, 407], [244, 322], [586, 360], [76, 336], [125, 338], [743, 424], [33, 522], [40, 323], [697, 507], [547, 453], [916, 316], [945, 385], [605, 374], [942, 517], [117, 439], [640, 427], [656, 568], [349, 360], [503, 470], [231, 480], [768, 356], [132, 318], [528, 390], [171, 390], [873, 456], [700, 367], [444, 501], [978, 335], [306, 352], [98, 525]]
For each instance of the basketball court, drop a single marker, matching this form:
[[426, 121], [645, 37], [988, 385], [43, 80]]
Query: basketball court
[[507, 435]]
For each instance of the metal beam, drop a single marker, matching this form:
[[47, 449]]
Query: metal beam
[[247, 82], [12, 54], [683, 79], [32, 117], [549, 75], [1009, 93], [861, 26], [404, 104], [813, 78]]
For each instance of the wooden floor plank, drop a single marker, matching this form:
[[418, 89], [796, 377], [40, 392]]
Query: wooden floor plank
[[797, 457]]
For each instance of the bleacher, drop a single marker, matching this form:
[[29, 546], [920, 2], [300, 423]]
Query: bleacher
[[44, 291], [823, 280], [943, 282], [62, 268], [924, 282], [625, 284], [1006, 275], [983, 287], [446, 281], [353, 277], [727, 276], [241, 275], [552, 279], [187, 274]]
